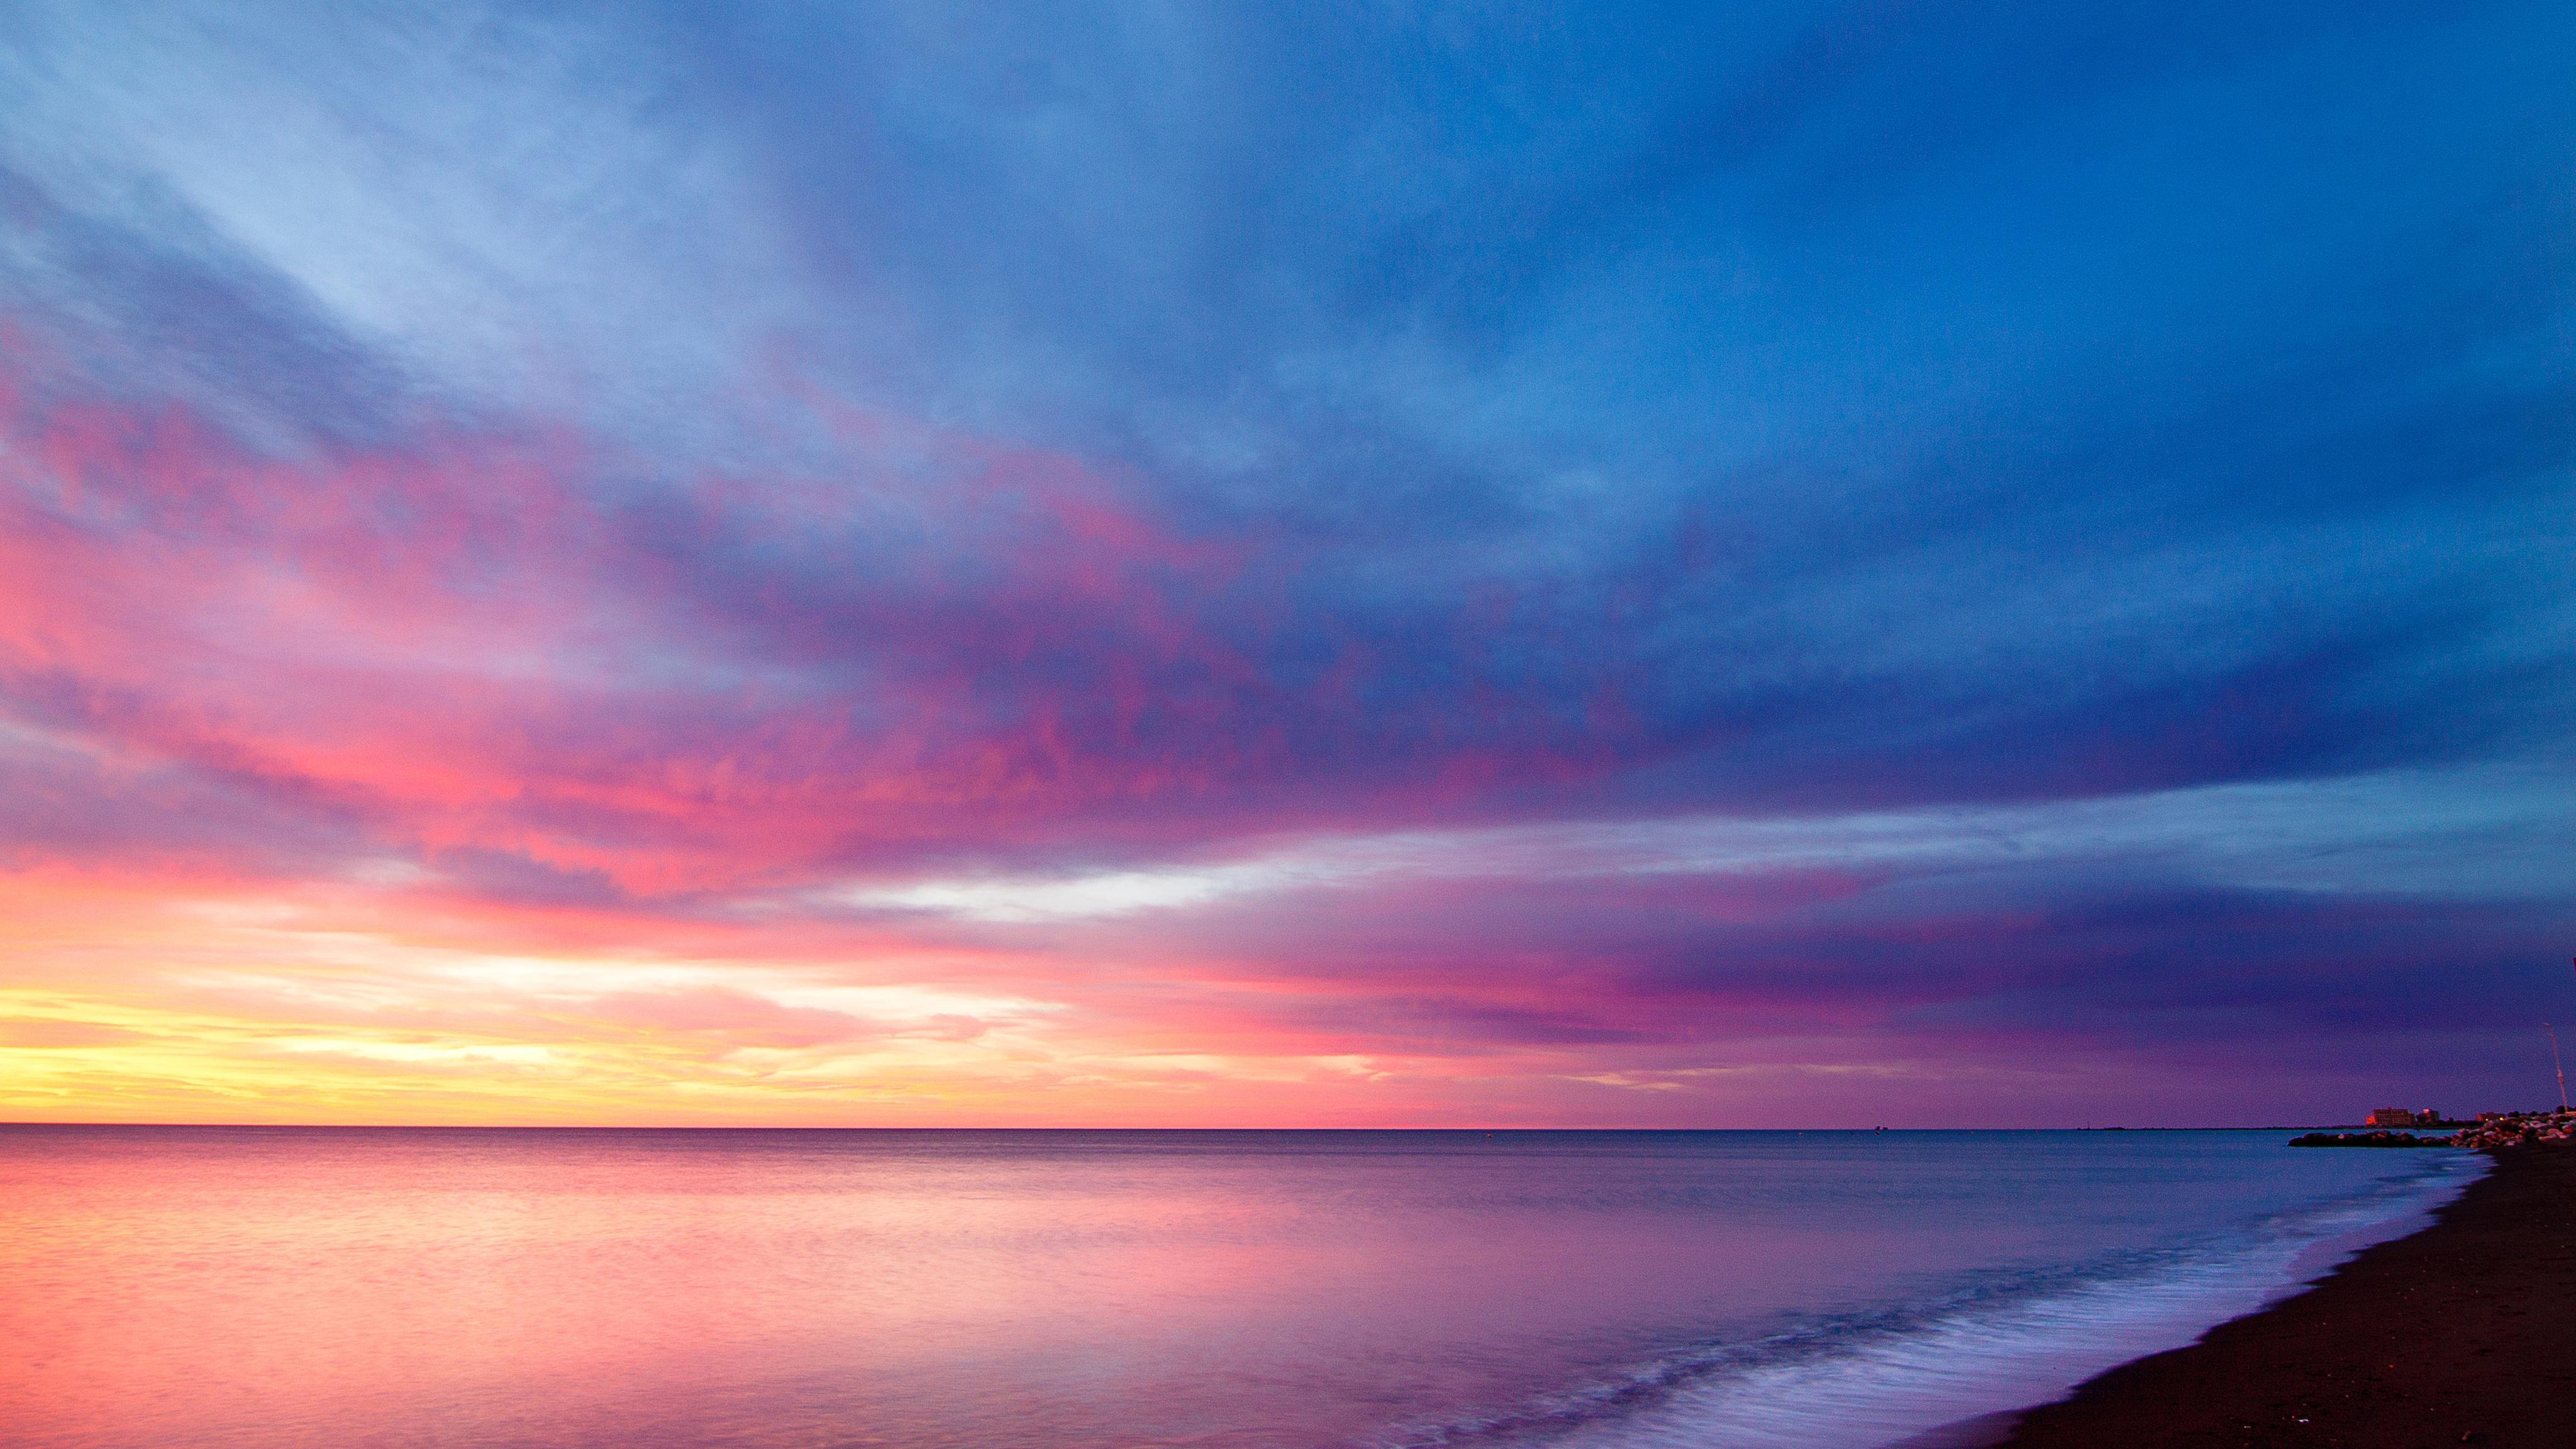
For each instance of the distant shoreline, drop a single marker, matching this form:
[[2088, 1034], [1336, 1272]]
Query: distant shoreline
[[66, 1124], [2456, 1334]]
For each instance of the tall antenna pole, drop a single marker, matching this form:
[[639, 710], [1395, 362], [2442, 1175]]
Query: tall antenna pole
[[2553, 1060]]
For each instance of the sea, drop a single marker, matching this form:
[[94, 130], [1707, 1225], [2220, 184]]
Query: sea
[[275, 1288]]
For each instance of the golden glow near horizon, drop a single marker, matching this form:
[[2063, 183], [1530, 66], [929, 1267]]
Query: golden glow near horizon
[[130, 1002]]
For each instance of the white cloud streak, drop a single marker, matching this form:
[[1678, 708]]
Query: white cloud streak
[[2490, 832]]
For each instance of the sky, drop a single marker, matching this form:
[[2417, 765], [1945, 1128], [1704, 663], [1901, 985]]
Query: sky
[[1927, 564]]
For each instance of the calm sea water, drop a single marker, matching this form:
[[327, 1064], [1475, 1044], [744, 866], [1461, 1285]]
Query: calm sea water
[[177, 1288]]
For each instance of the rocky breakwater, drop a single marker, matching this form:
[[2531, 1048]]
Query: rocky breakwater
[[2368, 1139], [2517, 1129]]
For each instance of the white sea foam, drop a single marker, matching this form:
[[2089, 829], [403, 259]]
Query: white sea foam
[[1909, 1375]]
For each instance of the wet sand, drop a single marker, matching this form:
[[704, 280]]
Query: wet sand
[[2464, 1333]]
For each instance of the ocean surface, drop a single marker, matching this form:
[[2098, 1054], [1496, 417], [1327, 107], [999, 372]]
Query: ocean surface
[[278, 1288]]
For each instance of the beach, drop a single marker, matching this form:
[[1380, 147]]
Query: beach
[[2462, 1333]]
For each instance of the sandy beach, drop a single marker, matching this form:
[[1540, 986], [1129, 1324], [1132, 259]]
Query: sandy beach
[[2463, 1333]]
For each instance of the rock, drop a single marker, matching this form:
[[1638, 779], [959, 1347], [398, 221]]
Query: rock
[[2517, 1129]]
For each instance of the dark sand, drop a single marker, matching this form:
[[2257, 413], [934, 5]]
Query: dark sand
[[2464, 1333]]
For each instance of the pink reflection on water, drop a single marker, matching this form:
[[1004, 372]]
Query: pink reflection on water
[[283, 1288], [331, 1288]]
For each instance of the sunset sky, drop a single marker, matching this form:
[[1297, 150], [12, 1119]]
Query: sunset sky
[[1362, 564]]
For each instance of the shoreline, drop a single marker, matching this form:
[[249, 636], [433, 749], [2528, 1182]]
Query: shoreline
[[2463, 1332]]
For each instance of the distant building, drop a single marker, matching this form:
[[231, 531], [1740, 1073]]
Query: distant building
[[2402, 1117]]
